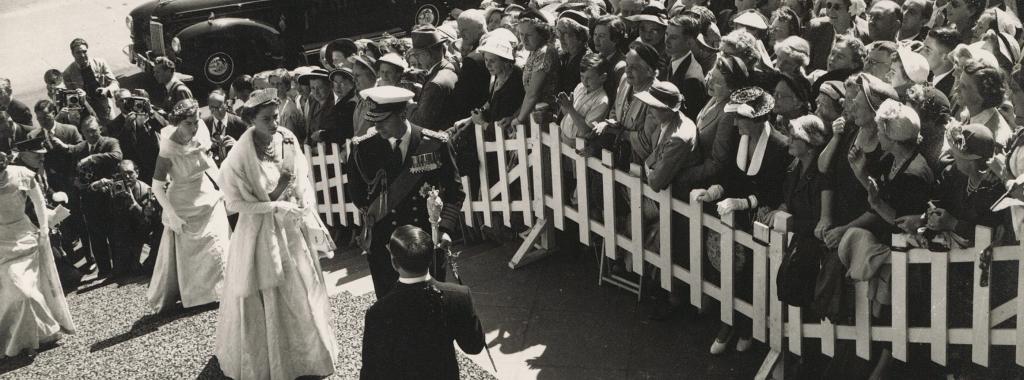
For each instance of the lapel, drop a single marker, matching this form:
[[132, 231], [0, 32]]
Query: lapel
[[710, 115], [415, 135]]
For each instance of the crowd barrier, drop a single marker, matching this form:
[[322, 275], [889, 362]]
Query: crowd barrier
[[529, 188]]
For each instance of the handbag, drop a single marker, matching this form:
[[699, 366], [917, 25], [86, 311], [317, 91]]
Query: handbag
[[829, 290], [799, 271]]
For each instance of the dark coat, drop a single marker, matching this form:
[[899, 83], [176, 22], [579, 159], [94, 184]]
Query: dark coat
[[471, 90], [140, 142], [235, 125], [766, 185], [19, 132], [820, 34], [802, 194], [60, 163], [19, 112], [336, 122], [436, 101], [693, 89], [178, 92], [409, 332], [945, 85], [103, 159], [717, 140]]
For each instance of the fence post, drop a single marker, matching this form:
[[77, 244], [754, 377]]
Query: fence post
[[485, 186], [981, 329], [939, 326], [665, 237], [727, 243], [557, 183], [582, 196], [1020, 308], [900, 270], [776, 253], [695, 214]]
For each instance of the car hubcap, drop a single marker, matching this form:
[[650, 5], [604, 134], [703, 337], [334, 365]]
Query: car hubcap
[[427, 16], [219, 67]]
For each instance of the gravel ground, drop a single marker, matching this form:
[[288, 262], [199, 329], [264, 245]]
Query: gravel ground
[[118, 338]]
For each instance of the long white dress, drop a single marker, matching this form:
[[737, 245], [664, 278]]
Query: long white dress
[[33, 310], [274, 315], [190, 264]]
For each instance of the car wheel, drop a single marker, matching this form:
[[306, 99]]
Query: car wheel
[[219, 67], [427, 14]]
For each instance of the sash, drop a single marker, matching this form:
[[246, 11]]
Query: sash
[[393, 192]]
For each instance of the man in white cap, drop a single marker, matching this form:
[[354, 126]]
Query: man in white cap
[[393, 168]]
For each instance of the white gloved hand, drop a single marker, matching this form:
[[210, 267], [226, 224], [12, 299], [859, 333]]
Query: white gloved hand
[[711, 194], [169, 218], [286, 208], [732, 204]]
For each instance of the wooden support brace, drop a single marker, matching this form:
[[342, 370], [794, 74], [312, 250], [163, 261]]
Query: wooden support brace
[[539, 243]]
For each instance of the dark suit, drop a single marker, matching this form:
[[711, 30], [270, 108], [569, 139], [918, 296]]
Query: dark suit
[[334, 119], [231, 125], [945, 85], [471, 91], [372, 159], [60, 163], [103, 159], [436, 102], [178, 91], [140, 142], [689, 79], [409, 332], [767, 183], [17, 133], [19, 112], [133, 226]]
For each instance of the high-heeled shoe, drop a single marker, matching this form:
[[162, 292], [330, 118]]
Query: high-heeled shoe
[[722, 340]]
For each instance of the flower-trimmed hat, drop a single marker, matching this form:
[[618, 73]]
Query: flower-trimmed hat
[[750, 102], [971, 141], [261, 97]]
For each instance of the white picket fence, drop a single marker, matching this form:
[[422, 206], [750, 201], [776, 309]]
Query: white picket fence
[[533, 164]]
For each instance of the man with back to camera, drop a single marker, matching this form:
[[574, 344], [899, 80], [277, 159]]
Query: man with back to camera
[[409, 332]]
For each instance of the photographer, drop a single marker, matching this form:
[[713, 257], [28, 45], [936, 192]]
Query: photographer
[[176, 90], [94, 77], [18, 110], [135, 215], [60, 164], [140, 135], [225, 127]]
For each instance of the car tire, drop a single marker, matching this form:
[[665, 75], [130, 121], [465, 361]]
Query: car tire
[[428, 13]]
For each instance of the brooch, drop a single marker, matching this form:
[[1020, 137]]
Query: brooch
[[422, 163]]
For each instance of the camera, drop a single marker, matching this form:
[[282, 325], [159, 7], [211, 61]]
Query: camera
[[137, 104], [69, 99]]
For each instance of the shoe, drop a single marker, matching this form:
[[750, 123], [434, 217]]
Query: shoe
[[722, 341], [743, 344]]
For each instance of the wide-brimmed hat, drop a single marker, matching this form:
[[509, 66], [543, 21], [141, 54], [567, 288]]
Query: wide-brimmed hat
[[752, 19], [914, 65], [536, 14], [876, 90], [366, 62], [971, 141], [427, 36], [809, 129], [34, 145], [315, 73], [662, 95], [575, 15], [343, 72], [498, 46], [385, 100], [393, 59], [653, 12], [260, 97], [750, 102]]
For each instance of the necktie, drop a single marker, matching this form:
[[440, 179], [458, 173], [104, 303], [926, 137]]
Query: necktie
[[396, 153]]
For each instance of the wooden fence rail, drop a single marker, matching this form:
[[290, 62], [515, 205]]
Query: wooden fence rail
[[530, 189]]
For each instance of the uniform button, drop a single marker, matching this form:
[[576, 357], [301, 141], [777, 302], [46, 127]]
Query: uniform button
[[414, 220], [394, 223], [414, 208], [392, 211]]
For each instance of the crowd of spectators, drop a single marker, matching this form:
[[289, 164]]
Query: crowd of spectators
[[859, 118]]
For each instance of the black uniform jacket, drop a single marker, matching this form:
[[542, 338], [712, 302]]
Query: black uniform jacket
[[409, 332]]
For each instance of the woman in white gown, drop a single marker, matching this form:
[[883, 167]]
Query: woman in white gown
[[33, 311], [190, 262], [274, 316]]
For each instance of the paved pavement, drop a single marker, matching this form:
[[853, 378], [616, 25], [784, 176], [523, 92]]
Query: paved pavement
[[551, 320]]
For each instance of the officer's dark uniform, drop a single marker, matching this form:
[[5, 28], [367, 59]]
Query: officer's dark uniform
[[409, 332], [374, 169]]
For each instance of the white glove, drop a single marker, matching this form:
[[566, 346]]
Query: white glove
[[169, 218], [732, 204], [711, 194], [286, 208]]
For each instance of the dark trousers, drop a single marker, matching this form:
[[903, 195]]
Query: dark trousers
[[126, 248], [97, 225]]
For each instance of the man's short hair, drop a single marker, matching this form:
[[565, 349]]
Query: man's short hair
[[164, 63], [243, 83], [689, 23], [590, 62], [616, 28], [947, 36], [412, 248], [53, 76], [126, 162], [45, 106], [856, 48], [89, 121], [138, 92], [927, 10], [5, 86], [217, 91], [78, 41]]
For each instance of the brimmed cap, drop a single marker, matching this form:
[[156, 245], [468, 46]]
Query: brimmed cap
[[316, 73], [577, 16], [928, 101], [394, 59], [834, 89], [427, 36], [366, 62], [914, 65], [653, 12], [535, 14], [1007, 51], [344, 72], [662, 95], [750, 102], [34, 145], [647, 53], [751, 19], [876, 91], [971, 141], [385, 100], [260, 97]]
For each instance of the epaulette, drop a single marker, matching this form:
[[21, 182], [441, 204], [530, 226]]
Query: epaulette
[[369, 133], [443, 136]]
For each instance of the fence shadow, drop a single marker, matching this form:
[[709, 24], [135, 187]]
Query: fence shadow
[[151, 323]]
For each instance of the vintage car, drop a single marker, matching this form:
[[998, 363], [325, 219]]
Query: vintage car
[[215, 40]]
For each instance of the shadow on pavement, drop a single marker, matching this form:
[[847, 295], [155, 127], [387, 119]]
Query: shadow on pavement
[[151, 323]]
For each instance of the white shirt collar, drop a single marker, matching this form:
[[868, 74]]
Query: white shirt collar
[[405, 139], [677, 62], [414, 280], [939, 77], [755, 161]]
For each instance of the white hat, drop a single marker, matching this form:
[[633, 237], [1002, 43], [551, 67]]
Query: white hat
[[499, 46], [751, 19], [914, 65], [394, 59], [384, 100]]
